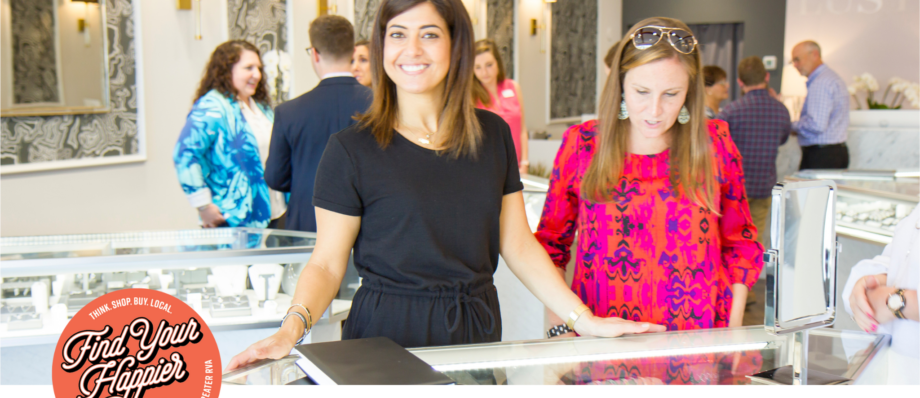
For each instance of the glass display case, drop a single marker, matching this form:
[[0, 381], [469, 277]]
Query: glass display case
[[713, 356], [534, 196], [870, 203], [236, 278]]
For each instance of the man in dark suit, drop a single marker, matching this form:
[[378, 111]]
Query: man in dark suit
[[303, 125]]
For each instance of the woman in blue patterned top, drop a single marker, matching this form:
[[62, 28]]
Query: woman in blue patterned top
[[220, 155]]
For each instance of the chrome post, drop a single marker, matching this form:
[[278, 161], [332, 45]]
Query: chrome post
[[800, 358]]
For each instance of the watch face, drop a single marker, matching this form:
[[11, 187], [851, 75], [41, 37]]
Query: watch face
[[894, 302]]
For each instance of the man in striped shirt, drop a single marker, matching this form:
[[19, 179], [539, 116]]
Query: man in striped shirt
[[759, 124], [822, 126]]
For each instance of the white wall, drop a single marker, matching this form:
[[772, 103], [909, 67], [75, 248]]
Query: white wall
[[301, 12], [534, 74], [881, 37], [138, 196]]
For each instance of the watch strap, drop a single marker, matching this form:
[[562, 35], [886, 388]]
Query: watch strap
[[899, 313], [558, 330]]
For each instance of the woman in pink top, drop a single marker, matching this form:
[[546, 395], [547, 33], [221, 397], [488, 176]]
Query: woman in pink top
[[653, 191], [495, 93]]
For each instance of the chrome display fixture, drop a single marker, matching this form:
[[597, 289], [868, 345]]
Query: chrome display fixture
[[801, 273]]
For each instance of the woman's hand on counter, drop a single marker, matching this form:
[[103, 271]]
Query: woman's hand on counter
[[591, 325], [276, 346], [863, 312], [211, 217]]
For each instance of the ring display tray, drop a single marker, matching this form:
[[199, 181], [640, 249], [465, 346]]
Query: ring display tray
[[229, 306]]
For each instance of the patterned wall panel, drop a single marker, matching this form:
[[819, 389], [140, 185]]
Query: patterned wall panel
[[51, 138], [35, 77], [264, 23], [365, 11], [573, 66], [500, 27]]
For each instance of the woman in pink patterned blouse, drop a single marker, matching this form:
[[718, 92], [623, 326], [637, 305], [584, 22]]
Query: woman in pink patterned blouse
[[656, 194]]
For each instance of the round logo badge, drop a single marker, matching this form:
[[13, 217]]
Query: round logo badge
[[136, 343]]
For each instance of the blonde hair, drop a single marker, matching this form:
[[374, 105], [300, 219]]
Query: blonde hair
[[691, 168]]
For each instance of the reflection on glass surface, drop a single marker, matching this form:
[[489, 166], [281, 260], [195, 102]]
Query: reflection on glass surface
[[715, 356], [120, 244], [534, 197]]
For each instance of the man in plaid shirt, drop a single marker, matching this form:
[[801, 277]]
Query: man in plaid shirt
[[759, 124]]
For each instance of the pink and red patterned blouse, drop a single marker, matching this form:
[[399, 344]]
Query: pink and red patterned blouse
[[648, 255]]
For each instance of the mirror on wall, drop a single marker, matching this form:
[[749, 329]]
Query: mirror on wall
[[53, 57]]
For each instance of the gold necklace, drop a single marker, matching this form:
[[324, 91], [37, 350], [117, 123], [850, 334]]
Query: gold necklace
[[426, 140]]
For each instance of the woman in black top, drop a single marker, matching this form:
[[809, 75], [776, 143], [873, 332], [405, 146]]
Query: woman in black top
[[426, 190]]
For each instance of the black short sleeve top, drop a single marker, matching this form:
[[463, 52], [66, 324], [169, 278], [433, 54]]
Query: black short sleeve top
[[427, 221]]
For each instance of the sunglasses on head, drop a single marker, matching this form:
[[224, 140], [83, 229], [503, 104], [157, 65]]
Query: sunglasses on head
[[648, 36]]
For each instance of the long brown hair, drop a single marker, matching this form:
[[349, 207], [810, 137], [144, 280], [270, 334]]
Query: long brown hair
[[479, 90], [218, 75], [691, 163], [457, 123]]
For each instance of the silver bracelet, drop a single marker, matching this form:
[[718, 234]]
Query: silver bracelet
[[309, 315], [302, 319]]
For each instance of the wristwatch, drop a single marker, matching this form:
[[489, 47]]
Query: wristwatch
[[558, 330], [897, 302]]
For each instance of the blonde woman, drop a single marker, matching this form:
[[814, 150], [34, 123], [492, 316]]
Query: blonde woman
[[655, 192]]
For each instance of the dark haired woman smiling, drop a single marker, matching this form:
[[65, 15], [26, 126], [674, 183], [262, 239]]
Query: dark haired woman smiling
[[220, 154], [426, 189]]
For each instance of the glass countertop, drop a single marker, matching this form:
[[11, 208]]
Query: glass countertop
[[888, 183], [44, 255], [715, 356]]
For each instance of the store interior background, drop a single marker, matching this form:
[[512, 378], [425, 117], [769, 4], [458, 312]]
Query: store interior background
[[144, 194], [141, 193]]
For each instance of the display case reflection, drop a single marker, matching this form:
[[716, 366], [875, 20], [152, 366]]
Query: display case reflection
[[712, 357]]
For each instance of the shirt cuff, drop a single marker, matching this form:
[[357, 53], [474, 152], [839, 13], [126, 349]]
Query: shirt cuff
[[200, 198]]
